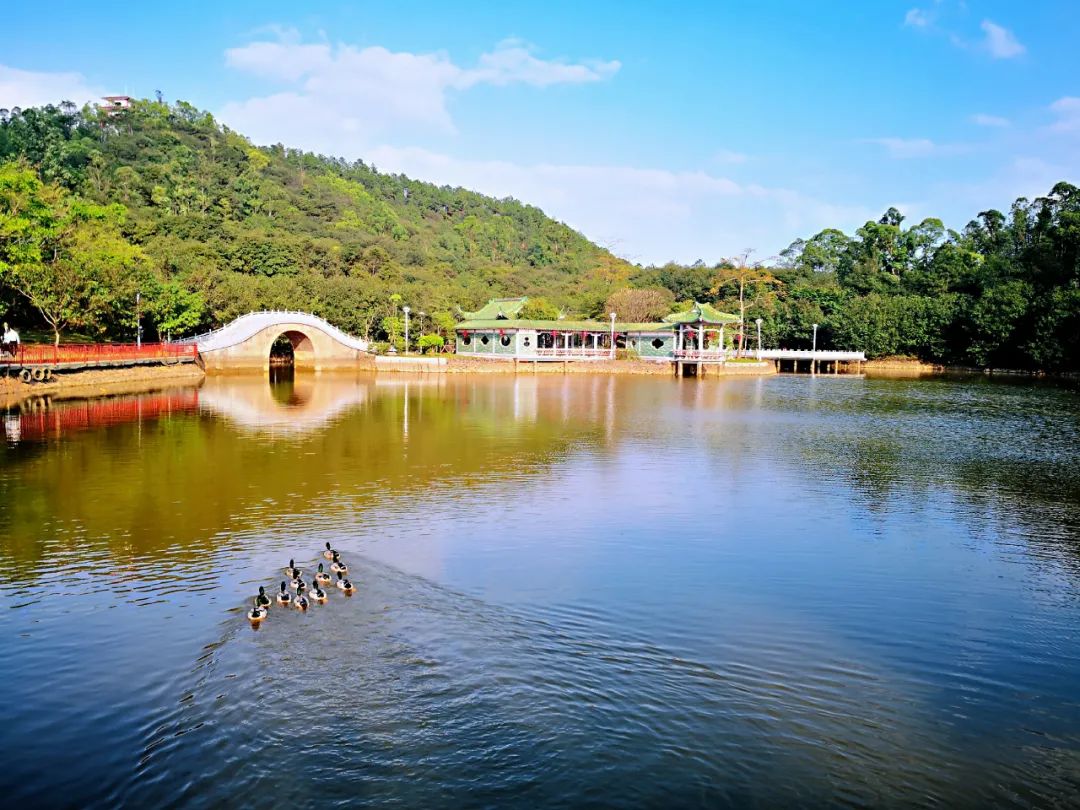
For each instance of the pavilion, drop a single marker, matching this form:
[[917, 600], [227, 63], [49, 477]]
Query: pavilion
[[496, 331]]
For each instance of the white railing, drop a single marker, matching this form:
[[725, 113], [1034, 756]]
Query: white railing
[[245, 326], [571, 352], [805, 354], [715, 355]]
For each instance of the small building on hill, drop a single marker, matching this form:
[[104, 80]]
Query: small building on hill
[[496, 331]]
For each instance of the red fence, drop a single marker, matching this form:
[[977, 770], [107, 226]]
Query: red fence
[[99, 353]]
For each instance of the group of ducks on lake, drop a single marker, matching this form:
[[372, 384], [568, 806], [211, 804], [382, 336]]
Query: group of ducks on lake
[[304, 595]]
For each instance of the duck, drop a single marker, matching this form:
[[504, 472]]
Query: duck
[[256, 614], [292, 571], [284, 598], [337, 566], [301, 602], [345, 584], [329, 553], [297, 583], [321, 576], [262, 600], [318, 594]]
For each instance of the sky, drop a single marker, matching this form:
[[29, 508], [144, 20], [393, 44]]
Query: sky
[[661, 131]]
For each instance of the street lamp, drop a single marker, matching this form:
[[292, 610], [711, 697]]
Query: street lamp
[[138, 320], [612, 352], [758, 322], [813, 353], [406, 311]]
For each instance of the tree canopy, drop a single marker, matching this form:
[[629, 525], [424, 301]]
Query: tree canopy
[[160, 200]]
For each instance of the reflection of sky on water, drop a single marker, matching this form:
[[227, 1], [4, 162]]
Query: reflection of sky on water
[[721, 591]]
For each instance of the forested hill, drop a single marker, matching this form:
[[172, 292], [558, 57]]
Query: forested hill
[[162, 201], [241, 227]]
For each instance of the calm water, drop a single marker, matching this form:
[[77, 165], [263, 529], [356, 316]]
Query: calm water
[[581, 590]]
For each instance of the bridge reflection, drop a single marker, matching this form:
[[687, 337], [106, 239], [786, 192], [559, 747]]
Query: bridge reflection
[[288, 404]]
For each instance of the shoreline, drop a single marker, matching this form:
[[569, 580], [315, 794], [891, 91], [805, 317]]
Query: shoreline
[[139, 379], [101, 382]]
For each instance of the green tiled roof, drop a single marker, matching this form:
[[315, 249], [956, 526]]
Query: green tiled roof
[[701, 312], [479, 324], [497, 309]]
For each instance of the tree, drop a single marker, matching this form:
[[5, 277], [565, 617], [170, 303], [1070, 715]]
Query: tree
[[430, 342], [64, 255], [741, 274], [539, 309], [640, 306]]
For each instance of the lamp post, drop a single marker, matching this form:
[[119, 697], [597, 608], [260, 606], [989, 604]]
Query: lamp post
[[138, 320], [758, 322], [406, 310], [813, 353], [611, 354]]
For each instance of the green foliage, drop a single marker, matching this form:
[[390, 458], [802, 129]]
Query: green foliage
[[242, 227], [1004, 293], [427, 342], [539, 309], [63, 254], [164, 201]]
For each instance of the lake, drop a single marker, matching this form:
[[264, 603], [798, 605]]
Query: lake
[[580, 590]]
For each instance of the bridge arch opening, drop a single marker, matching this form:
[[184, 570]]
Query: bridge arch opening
[[292, 349]]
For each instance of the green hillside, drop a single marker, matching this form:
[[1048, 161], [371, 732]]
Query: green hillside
[[226, 227], [163, 203]]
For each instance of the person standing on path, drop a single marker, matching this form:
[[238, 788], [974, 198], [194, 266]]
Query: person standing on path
[[11, 341]]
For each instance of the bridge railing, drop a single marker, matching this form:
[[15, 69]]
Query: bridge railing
[[279, 314]]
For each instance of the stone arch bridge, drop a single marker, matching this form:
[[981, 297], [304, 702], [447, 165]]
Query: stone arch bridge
[[244, 344]]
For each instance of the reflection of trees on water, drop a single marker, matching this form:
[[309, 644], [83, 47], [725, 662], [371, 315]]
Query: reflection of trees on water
[[193, 481], [1005, 452]]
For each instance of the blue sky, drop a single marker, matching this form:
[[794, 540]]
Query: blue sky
[[688, 132]]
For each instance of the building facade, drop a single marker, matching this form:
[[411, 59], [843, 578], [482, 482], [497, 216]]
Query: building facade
[[496, 331]]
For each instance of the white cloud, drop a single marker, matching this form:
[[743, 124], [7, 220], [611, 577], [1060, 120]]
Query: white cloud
[[906, 148], [729, 157], [512, 62], [985, 120], [343, 90], [28, 88], [918, 18], [1000, 42], [1067, 110], [645, 215]]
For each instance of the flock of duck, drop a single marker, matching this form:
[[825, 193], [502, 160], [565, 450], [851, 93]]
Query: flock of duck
[[303, 594]]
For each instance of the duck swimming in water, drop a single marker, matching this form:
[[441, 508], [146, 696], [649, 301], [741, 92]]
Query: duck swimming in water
[[256, 614], [292, 571], [329, 553], [337, 566], [297, 582], [321, 576], [284, 598], [262, 600], [345, 584], [301, 602], [318, 594]]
